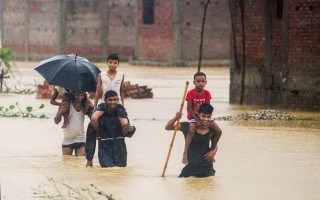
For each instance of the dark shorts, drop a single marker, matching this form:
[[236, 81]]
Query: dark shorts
[[75, 145]]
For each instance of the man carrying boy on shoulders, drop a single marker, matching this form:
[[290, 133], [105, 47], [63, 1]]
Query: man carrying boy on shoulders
[[200, 155], [112, 150]]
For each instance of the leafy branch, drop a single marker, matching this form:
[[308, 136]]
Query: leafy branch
[[14, 110]]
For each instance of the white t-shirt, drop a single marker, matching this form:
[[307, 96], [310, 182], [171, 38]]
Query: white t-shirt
[[74, 132], [114, 84]]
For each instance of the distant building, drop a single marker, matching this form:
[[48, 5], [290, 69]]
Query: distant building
[[169, 31], [276, 53], [38, 29], [165, 31]]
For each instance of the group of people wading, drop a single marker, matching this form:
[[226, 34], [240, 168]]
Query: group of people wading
[[109, 123]]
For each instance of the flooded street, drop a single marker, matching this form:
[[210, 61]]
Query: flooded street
[[255, 160]]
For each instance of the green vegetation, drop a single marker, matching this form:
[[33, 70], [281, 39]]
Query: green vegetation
[[8, 70], [14, 110], [5, 58]]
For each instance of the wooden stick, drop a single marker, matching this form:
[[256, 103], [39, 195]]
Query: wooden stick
[[175, 128]]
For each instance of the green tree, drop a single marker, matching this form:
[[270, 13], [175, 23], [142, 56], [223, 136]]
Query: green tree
[[5, 58]]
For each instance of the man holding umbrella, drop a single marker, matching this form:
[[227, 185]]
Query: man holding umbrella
[[79, 75], [74, 134]]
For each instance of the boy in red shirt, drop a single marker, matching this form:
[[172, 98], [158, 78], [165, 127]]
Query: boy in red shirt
[[195, 97]]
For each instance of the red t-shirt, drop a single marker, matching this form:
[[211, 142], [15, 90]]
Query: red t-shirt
[[197, 99]]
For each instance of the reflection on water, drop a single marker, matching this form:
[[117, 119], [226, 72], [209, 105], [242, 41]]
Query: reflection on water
[[256, 159]]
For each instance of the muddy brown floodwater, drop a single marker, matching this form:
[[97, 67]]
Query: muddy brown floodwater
[[256, 160]]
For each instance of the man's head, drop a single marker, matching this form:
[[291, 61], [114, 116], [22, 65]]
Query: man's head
[[205, 113], [113, 61], [111, 99], [79, 96], [199, 80], [113, 56]]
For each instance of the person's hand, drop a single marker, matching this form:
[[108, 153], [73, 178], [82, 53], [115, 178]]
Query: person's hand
[[178, 115], [127, 128], [210, 156], [185, 158], [94, 109], [89, 164], [199, 124]]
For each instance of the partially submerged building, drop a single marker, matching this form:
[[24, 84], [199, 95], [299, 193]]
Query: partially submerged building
[[276, 53]]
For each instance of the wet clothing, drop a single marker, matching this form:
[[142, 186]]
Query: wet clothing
[[120, 110], [115, 84], [197, 99], [199, 146], [75, 146], [112, 150], [67, 99], [74, 132]]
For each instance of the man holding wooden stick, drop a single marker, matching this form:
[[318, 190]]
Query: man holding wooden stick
[[200, 155]]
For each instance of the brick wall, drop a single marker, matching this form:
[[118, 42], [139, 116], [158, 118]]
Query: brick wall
[[156, 41], [175, 36], [304, 36], [216, 31], [282, 60], [38, 29], [121, 28], [29, 35]]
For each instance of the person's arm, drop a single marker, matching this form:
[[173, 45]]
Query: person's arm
[[98, 91], [122, 90], [214, 142], [129, 130], [90, 144], [217, 134], [95, 119], [171, 123], [89, 112], [54, 97], [210, 155], [193, 114], [209, 97]]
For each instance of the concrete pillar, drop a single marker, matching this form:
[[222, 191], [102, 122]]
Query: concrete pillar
[[268, 31], [104, 27], [1, 24], [285, 32], [26, 33], [177, 33], [62, 27]]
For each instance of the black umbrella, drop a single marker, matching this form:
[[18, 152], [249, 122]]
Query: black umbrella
[[70, 71]]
